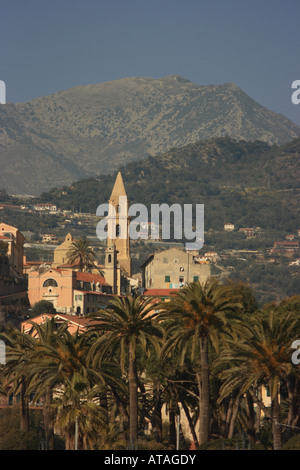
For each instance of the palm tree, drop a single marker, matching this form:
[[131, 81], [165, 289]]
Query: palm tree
[[60, 365], [79, 416], [45, 333], [192, 318], [259, 354], [18, 349], [82, 252], [127, 322]]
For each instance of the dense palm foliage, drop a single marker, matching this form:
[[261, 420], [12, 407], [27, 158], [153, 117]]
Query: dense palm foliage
[[259, 355], [206, 355], [192, 319], [128, 322]]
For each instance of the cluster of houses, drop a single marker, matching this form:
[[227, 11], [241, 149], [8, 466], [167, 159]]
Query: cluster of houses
[[74, 292], [77, 293]]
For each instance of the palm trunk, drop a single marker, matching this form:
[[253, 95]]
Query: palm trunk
[[251, 417], [293, 387], [133, 401], [190, 421], [235, 411], [48, 422], [172, 426], [24, 409], [124, 418], [156, 419], [205, 394], [277, 442]]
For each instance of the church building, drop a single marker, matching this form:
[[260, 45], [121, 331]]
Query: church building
[[117, 266]]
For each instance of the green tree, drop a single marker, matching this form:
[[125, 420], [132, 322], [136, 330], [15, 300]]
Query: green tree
[[45, 333], [43, 306], [192, 319], [258, 353], [128, 322], [18, 349], [82, 252], [61, 365]]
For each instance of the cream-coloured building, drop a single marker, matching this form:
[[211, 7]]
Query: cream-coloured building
[[173, 269], [60, 253]]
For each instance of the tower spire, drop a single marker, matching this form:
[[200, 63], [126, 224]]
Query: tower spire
[[118, 189], [119, 201]]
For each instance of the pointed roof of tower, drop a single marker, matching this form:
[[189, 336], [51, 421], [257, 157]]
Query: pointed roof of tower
[[119, 188]]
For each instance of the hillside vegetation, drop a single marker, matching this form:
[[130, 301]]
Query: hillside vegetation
[[246, 183]]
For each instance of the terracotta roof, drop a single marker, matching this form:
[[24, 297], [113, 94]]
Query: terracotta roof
[[160, 292], [92, 291], [82, 321], [75, 319], [90, 277], [69, 265]]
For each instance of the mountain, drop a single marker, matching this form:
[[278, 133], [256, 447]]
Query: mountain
[[86, 130]]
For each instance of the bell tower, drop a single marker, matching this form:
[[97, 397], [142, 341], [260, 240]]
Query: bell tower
[[112, 268], [120, 236]]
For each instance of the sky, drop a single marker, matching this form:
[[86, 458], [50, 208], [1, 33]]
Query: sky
[[48, 46]]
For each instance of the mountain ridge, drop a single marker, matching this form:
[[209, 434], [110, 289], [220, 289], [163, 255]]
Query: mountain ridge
[[87, 129]]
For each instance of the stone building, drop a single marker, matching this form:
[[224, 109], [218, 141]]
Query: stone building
[[173, 269]]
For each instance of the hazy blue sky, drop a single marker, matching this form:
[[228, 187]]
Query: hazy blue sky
[[50, 45]]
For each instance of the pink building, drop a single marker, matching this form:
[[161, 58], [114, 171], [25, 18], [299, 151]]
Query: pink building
[[70, 292], [15, 241], [75, 323]]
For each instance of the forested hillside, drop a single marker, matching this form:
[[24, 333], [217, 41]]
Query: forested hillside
[[246, 183]]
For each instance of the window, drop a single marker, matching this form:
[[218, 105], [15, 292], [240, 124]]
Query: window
[[109, 258], [50, 283], [196, 278], [117, 230], [167, 279]]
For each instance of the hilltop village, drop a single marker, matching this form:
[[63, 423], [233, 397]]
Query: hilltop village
[[76, 290], [75, 286]]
